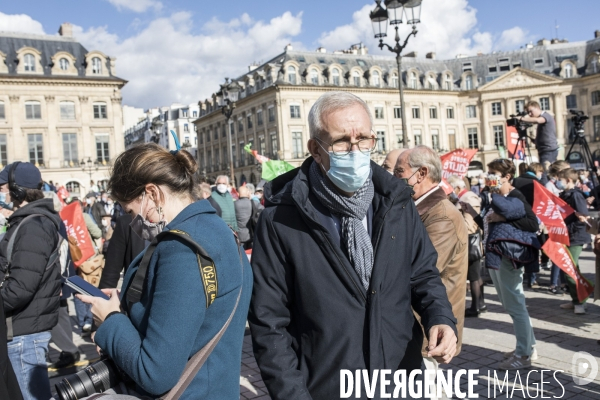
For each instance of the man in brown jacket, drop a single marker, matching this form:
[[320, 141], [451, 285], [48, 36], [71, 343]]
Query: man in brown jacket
[[422, 169]]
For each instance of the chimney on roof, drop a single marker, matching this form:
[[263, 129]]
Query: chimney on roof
[[412, 54], [289, 47], [430, 55], [597, 34], [66, 30], [543, 42], [321, 50], [479, 54]]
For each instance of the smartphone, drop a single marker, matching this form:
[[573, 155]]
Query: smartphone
[[81, 286]]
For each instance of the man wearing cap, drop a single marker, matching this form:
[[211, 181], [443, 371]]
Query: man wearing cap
[[31, 284]]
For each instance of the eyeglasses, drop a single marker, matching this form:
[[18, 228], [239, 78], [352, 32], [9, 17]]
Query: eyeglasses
[[344, 147]]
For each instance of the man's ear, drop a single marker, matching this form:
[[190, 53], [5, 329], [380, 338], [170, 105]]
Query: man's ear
[[423, 172], [313, 148]]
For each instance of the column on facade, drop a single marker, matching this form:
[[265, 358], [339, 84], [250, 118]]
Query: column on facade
[[85, 143], [560, 111], [52, 141], [486, 133], [17, 139]]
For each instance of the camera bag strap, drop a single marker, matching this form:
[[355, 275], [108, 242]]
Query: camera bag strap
[[9, 252], [208, 274]]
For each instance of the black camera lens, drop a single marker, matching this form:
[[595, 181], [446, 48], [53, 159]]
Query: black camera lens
[[95, 378]]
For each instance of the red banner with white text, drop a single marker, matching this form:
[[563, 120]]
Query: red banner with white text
[[80, 242], [515, 148], [552, 211], [457, 162], [560, 255]]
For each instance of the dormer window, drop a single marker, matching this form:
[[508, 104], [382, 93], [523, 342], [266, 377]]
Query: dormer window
[[568, 70], [469, 82], [96, 66], [335, 76], [448, 82], [63, 64], [394, 80], [356, 78], [291, 75], [412, 83], [314, 76], [376, 81], [29, 62]]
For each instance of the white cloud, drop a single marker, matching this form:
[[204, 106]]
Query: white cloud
[[167, 62], [20, 23], [447, 27], [139, 6]]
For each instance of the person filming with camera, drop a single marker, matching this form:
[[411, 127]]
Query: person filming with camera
[[545, 138], [177, 326]]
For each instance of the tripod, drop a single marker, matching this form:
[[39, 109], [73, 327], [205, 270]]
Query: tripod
[[585, 153], [526, 148]]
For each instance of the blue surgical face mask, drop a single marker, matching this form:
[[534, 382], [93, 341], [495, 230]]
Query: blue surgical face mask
[[559, 185], [348, 172], [3, 202]]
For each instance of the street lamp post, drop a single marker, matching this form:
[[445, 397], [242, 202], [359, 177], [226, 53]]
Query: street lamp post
[[226, 98], [393, 12], [89, 166]]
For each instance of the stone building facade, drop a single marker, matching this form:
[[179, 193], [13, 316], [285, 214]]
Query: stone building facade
[[60, 104], [457, 103]]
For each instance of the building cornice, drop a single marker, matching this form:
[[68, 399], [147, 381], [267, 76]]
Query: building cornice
[[35, 80]]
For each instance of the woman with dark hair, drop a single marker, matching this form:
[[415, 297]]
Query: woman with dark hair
[[511, 243], [152, 338]]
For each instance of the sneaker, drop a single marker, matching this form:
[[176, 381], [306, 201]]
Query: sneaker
[[65, 360], [534, 285], [86, 328], [534, 355], [567, 306], [579, 309], [515, 363], [555, 290]]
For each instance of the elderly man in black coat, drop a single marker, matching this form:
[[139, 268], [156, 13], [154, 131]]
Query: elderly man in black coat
[[341, 259]]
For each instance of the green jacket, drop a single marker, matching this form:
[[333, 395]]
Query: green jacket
[[225, 201]]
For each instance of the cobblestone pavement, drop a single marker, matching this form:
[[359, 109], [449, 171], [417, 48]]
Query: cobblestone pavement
[[560, 335]]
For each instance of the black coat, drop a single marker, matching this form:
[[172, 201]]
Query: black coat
[[310, 316], [123, 247], [577, 230], [525, 185], [31, 293], [9, 386]]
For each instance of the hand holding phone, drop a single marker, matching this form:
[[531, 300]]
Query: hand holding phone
[[81, 286]]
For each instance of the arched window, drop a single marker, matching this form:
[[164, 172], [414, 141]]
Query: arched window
[[413, 80], [448, 82], [96, 66], [469, 82], [431, 82], [376, 81], [314, 76], [394, 81], [63, 64], [595, 68], [291, 74], [568, 70], [356, 78], [335, 75], [29, 62], [73, 187]]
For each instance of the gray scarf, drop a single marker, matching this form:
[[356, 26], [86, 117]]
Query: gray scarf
[[352, 211]]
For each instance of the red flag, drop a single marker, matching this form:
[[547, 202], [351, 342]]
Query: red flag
[[62, 195], [446, 186], [552, 211], [560, 255], [80, 242], [457, 162], [515, 148]]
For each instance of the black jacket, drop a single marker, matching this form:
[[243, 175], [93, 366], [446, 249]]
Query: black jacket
[[577, 230], [31, 293], [97, 211], [9, 386], [525, 185], [310, 316], [123, 247]]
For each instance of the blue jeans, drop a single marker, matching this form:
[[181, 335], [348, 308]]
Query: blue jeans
[[83, 311], [555, 276], [508, 282], [27, 354]]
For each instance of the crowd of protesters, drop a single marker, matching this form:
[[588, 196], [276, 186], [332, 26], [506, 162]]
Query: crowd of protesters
[[336, 282]]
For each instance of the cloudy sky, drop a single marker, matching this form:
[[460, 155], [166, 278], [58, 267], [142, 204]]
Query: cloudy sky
[[180, 50]]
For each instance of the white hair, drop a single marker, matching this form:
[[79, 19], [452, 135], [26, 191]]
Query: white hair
[[423, 156], [250, 187], [222, 176], [456, 182], [328, 103]]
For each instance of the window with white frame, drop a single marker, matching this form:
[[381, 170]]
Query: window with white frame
[[70, 153], [262, 145], [294, 111], [375, 79], [471, 112], [35, 143], [33, 110], [297, 145], [498, 135], [335, 76], [412, 82], [356, 78], [2, 113], [3, 150], [435, 139], [433, 112], [274, 145], [451, 139], [496, 108], [418, 137], [571, 101], [469, 82], [96, 66], [259, 118], [416, 112], [381, 147], [519, 105], [271, 111], [64, 64], [399, 139], [314, 76], [397, 112], [100, 111], [249, 121], [448, 82], [568, 70], [102, 152], [67, 110], [29, 62], [473, 138], [186, 128], [545, 103], [450, 112], [379, 112], [240, 125], [291, 74]]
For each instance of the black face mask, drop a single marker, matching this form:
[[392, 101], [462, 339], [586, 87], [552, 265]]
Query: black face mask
[[408, 179], [145, 229]]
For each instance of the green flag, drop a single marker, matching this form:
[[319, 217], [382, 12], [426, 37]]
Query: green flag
[[272, 169]]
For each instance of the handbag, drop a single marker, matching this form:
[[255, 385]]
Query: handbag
[[475, 247], [91, 269]]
